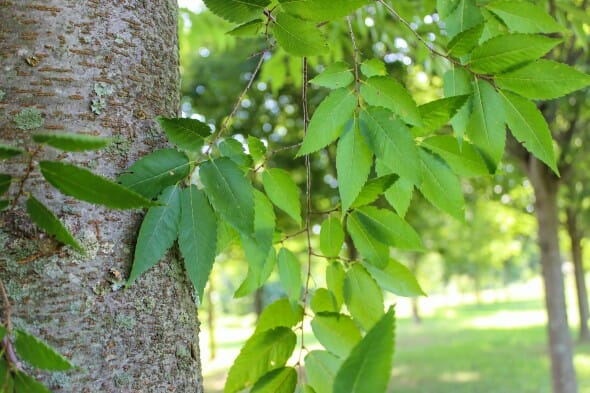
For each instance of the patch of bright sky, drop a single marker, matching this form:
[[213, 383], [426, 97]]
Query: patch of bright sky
[[193, 5]]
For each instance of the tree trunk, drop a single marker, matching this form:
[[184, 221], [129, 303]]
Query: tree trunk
[[57, 56], [581, 292], [546, 186]]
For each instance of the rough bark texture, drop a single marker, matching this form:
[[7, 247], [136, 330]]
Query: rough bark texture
[[53, 55], [576, 245], [546, 185]]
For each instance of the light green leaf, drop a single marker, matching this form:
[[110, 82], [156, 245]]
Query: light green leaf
[[156, 171], [524, 17], [396, 278], [507, 51], [279, 313], [321, 10], [464, 160], [5, 181], [25, 383], [289, 274], [437, 113], [49, 223], [389, 93], [321, 368], [256, 148], [230, 193], [281, 380], [336, 332], [7, 151], [323, 301], [362, 296], [440, 186], [445, 7], [234, 150], [373, 188], [354, 160], [38, 353], [82, 184], [187, 134], [157, 233], [197, 236], [399, 195], [237, 11], [256, 277], [392, 142], [369, 247], [263, 352], [543, 80], [529, 127], [328, 120], [283, 192], [298, 37], [71, 141], [486, 127], [463, 17], [457, 81], [251, 28], [335, 282], [373, 67], [368, 367], [335, 76], [331, 237], [464, 42]]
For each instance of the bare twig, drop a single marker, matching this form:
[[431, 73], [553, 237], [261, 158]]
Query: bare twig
[[29, 170]]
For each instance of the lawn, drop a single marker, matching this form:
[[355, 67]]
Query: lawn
[[495, 347]]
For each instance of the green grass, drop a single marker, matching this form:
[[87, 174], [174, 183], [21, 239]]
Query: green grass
[[490, 348]]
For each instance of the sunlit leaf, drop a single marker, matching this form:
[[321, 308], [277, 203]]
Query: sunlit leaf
[[373, 189], [336, 332], [524, 17], [390, 94], [281, 380], [279, 313], [363, 297], [321, 368], [464, 160], [299, 37], [283, 192], [289, 273], [335, 75], [396, 278], [331, 237]]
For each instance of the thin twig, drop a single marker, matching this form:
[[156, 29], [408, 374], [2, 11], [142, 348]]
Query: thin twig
[[9, 353], [24, 179], [276, 151], [355, 53]]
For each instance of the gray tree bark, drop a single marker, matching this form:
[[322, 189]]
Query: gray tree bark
[[63, 58]]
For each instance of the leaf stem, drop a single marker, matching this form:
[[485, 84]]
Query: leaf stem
[[355, 51], [9, 353], [29, 170]]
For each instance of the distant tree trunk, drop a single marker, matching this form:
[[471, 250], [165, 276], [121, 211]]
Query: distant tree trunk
[[415, 300], [211, 317], [55, 56], [546, 185], [259, 302], [581, 292]]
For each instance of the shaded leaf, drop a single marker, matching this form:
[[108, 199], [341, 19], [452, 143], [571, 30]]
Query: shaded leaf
[[251, 28], [464, 16], [437, 113], [458, 82], [281, 380], [363, 297], [336, 332], [25, 383], [370, 248], [390, 94], [71, 141], [464, 160], [257, 276], [187, 134], [38, 353], [335, 75], [464, 42], [373, 188], [289, 274], [321, 368], [283, 192], [234, 150], [298, 37], [7, 151], [237, 10], [396, 278], [5, 181], [321, 10]]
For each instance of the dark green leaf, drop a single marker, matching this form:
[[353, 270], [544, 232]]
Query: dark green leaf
[[464, 160], [336, 332], [464, 42], [368, 367], [2, 333], [464, 16], [335, 76], [281, 380], [157, 233], [369, 247], [437, 113], [396, 278], [524, 17], [279, 313], [237, 11], [187, 134], [38, 354], [3, 204], [372, 189], [290, 274], [331, 237], [27, 384], [363, 297], [458, 82], [321, 368], [49, 223], [399, 195], [298, 37], [71, 141], [256, 277], [156, 171], [321, 10], [7, 151], [234, 150], [5, 181], [283, 192], [82, 184], [389, 93], [251, 28], [256, 148]]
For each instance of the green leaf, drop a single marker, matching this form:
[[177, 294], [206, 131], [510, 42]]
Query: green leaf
[[389, 93], [5, 181], [440, 186], [354, 160], [7, 151], [197, 236], [258, 246], [234, 150], [335, 275], [392, 142], [49, 223], [290, 274], [157, 233], [25, 383], [2, 333], [368, 246], [543, 80], [372, 189], [187, 134], [321, 10], [263, 352], [71, 141], [38, 353], [323, 301], [457, 81], [156, 171], [373, 67], [331, 237], [237, 11], [336, 332], [230, 193], [445, 7], [281, 380], [256, 277], [437, 113], [256, 148], [335, 76], [3, 204], [298, 37], [399, 195], [396, 278], [368, 367], [464, 42], [6, 381], [388, 228], [279, 313], [283, 192], [82, 184], [362, 296], [529, 127], [463, 17], [524, 17], [464, 160], [507, 51], [251, 28], [486, 127], [321, 368], [328, 120]]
